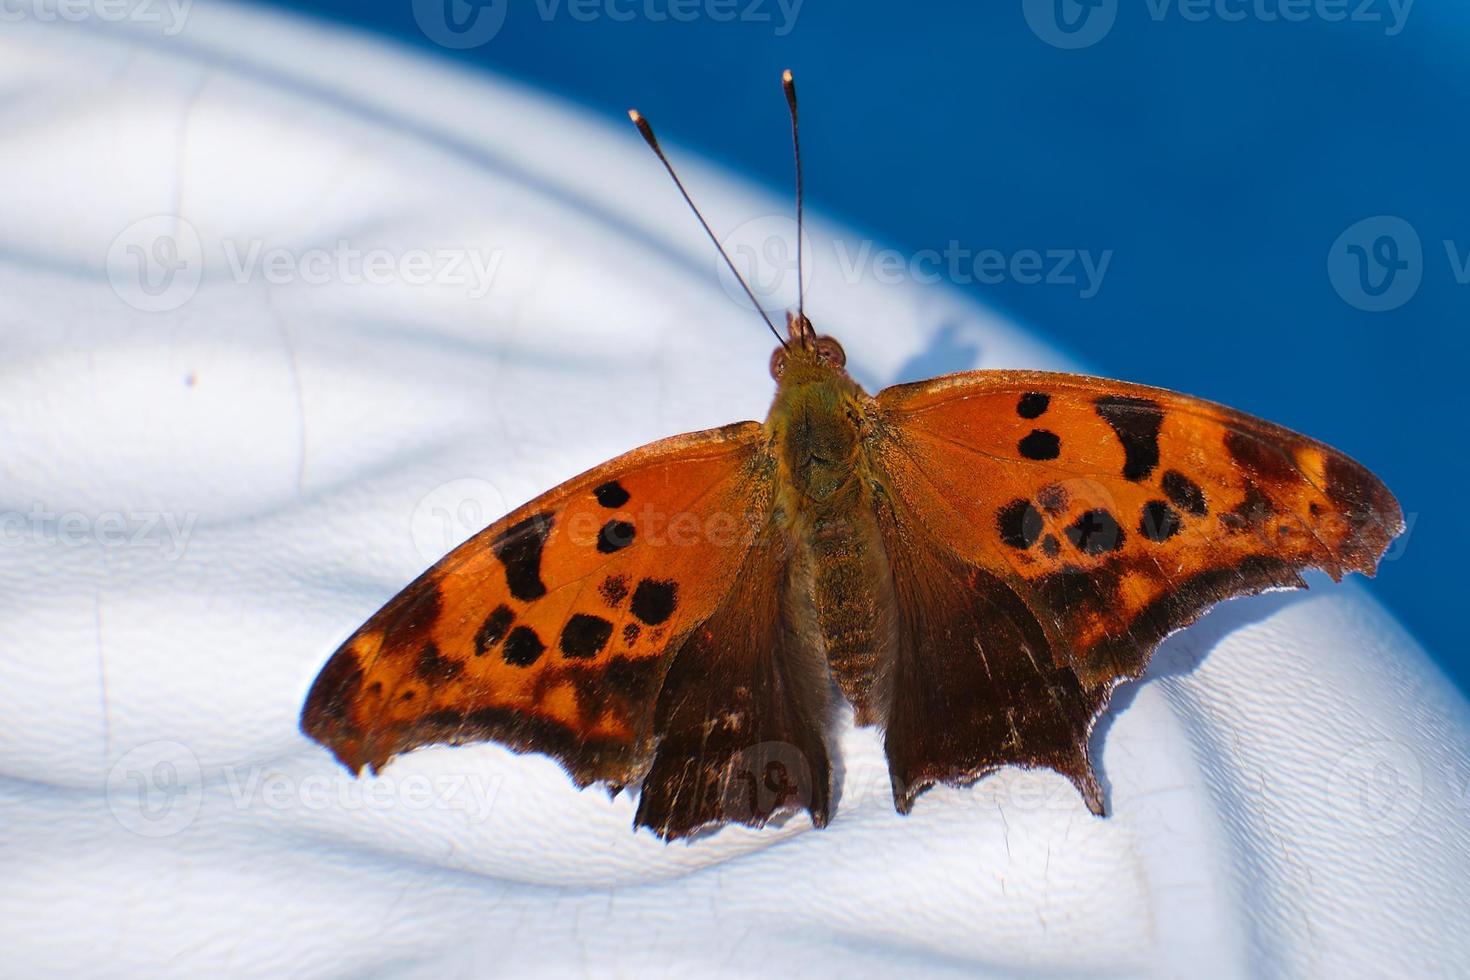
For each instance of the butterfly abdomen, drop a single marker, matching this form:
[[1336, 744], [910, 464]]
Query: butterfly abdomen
[[849, 585]]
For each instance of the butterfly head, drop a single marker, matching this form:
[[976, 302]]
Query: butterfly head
[[808, 352]]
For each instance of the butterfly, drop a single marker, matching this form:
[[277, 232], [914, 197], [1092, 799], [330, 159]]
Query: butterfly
[[972, 562]]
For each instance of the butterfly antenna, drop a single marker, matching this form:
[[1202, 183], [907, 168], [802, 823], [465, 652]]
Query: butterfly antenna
[[788, 85], [652, 142]]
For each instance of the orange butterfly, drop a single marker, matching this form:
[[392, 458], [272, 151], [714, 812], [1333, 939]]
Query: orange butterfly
[[975, 561]]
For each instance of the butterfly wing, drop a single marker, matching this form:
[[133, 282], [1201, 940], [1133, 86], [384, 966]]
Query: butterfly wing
[[743, 717], [1071, 523], [552, 629]]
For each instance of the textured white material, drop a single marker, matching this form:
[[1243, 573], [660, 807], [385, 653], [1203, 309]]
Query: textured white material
[[1288, 787]]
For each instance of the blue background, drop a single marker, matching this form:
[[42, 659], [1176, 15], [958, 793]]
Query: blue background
[[1219, 159]]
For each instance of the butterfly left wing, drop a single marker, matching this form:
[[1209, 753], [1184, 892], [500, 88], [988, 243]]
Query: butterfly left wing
[[1065, 525], [551, 629]]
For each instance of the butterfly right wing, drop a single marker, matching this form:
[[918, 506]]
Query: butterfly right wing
[[972, 685], [1048, 530]]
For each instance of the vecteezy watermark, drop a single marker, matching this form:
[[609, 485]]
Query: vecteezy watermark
[[1377, 264], [169, 15], [1070, 24], [1073, 24], [162, 531], [157, 264], [349, 265], [157, 790], [1076, 269], [764, 252], [766, 779], [1379, 786], [464, 24], [447, 515], [460, 24], [472, 794]]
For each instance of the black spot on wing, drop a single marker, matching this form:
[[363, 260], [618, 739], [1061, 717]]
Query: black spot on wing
[[1032, 404], [523, 647], [615, 536], [1253, 511], [614, 589], [1136, 423], [493, 629], [654, 601], [1040, 445], [519, 549], [1019, 523], [611, 495], [1184, 493], [585, 636], [1159, 522], [434, 668], [1095, 532], [1052, 498], [630, 633], [1050, 546]]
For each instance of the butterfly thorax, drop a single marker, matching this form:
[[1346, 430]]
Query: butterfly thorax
[[817, 424], [840, 590]]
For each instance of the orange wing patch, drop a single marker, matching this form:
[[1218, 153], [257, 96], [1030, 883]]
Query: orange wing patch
[[551, 629], [1121, 512]]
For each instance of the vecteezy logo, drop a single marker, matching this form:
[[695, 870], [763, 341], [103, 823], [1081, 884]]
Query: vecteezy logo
[[1070, 24], [1377, 263], [460, 24], [154, 790], [156, 264], [1378, 787], [764, 251], [451, 512], [767, 778]]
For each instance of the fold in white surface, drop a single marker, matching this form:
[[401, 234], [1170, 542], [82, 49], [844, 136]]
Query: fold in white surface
[[220, 481]]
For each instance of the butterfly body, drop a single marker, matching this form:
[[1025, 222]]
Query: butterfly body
[[821, 426]]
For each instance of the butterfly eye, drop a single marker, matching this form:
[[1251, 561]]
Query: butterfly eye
[[778, 362], [830, 351]]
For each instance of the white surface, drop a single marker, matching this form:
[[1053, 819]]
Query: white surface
[[1288, 789]]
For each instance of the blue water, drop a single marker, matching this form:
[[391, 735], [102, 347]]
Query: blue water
[[1220, 150]]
